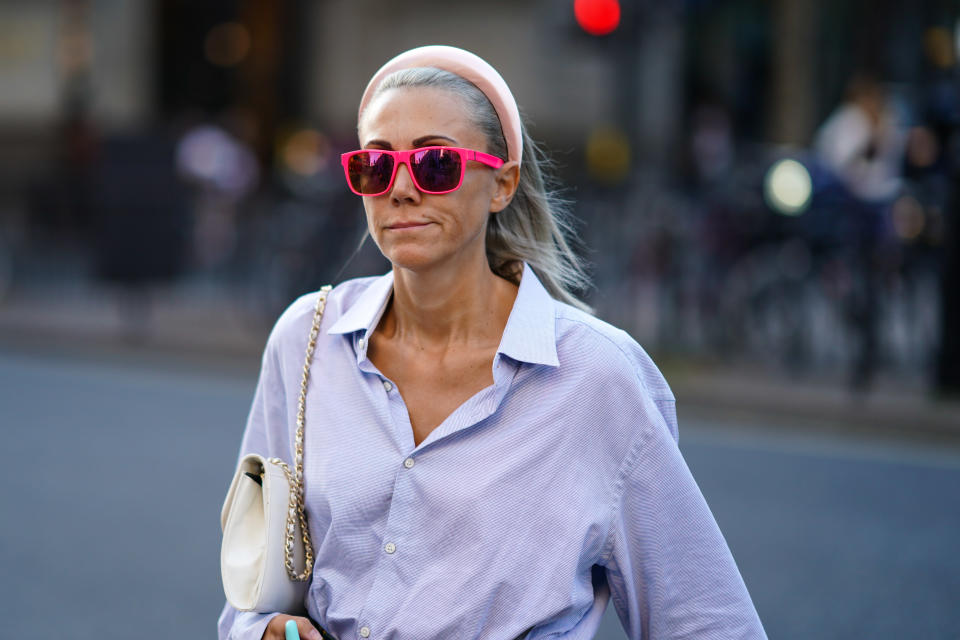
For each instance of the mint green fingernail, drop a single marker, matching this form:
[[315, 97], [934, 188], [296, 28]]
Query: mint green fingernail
[[291, 630]]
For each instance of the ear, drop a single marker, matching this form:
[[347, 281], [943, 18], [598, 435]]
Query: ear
[[507, 177]]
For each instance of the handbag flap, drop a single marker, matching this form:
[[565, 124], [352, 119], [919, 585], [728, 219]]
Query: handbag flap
[[251, 463], [244, 545]]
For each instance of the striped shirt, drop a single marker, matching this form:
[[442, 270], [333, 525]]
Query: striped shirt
[[545, 496]]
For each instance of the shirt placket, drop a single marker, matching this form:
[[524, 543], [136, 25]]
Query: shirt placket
[[387, 590], [376, 610]]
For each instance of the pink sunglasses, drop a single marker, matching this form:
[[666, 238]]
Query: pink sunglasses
[[435, 170]]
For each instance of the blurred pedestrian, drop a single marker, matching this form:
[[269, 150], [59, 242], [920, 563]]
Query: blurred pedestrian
[[224, 171], [862, 144], [483, 458]]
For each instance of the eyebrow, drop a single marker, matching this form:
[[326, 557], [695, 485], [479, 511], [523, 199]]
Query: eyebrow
[[419, 142]]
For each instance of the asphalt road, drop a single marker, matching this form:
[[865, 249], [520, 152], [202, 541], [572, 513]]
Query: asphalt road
[[114, 472]]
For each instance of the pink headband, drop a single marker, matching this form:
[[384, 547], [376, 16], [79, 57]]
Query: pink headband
[[470, 67]]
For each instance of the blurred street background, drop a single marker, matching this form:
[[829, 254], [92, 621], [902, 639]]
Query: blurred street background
[[767, 191]]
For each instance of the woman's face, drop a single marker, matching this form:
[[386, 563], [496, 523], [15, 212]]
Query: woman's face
[[420, 231]]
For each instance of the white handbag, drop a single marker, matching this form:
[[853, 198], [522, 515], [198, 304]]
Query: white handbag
[[265, 534]]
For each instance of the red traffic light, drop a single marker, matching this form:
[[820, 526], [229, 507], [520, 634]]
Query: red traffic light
[[597, 17]]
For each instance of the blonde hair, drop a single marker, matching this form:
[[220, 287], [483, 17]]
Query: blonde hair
[[536, 226]]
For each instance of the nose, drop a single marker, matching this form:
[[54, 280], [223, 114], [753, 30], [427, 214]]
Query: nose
[[404, 190]]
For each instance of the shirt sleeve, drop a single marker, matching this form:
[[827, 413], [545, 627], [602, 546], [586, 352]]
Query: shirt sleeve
[[242, 625], [670, 572], [266, 433]]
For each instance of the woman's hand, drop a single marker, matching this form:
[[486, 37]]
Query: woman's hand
[[276, 629]]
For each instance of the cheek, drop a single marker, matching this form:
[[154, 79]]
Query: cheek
[[474, 195], [370, 212], [470, 224]]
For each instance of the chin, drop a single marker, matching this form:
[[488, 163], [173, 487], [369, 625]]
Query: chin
[[415, 258], [425, 252]]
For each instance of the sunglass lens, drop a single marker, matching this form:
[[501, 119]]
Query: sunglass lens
[[437, 169], [370, 172]]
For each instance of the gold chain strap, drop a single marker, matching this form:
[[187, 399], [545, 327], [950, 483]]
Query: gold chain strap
[[295, 479]]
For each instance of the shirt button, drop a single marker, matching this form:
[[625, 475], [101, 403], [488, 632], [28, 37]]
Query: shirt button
[[408, 463], [390, 547], [387, 385], [365, 632]]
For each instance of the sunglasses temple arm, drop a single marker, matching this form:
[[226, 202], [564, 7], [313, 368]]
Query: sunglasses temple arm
[[485, 158]]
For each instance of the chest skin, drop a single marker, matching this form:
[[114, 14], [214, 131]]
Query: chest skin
[[433, 384]]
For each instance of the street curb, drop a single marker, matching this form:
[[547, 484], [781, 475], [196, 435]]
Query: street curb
[[822, 408]]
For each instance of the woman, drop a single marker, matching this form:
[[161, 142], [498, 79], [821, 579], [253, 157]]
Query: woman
[[483, 458]]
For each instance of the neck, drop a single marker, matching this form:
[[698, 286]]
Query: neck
[[467, 305]]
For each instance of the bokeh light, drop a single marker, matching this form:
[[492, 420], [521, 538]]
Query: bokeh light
[[787, 187], [305, 152], [938, 46], [608, 155], [597, 17]]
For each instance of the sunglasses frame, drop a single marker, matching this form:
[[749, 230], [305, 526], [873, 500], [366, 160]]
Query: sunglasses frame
[[403, 157]]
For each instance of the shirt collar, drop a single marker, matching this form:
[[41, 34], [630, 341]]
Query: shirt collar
[[530, 334], [365, 312]]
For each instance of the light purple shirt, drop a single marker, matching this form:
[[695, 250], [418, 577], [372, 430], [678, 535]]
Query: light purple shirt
[[544, 496]]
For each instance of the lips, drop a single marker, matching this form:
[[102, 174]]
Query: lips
[[407, 225]]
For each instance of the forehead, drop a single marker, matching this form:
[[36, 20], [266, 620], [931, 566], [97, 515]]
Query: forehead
[[400, 116]]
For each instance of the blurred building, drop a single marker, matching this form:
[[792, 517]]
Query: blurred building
[[777, 67], [663, 127]]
